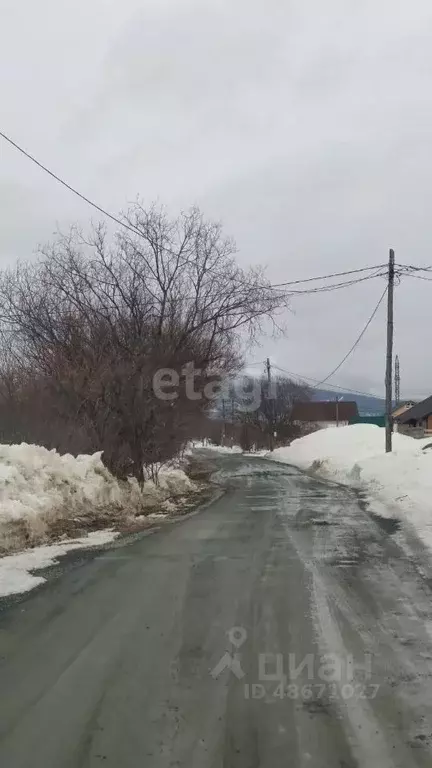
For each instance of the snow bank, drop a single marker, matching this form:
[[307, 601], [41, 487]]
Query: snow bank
[[16, 570], [33, 479], [174, 481], [225, 448], [339, 449], [399, 482], [211, 447], [39, 488]]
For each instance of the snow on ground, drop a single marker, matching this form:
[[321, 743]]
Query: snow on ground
[[225, 448], [174, 481], [33, 479], [211, 447], [16, 570], [40, 487], [397, 484]]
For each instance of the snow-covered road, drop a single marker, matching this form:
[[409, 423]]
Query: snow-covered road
[[397, 484], [282, 626]]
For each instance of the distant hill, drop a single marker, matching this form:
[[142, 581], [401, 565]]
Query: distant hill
[[368, 406]]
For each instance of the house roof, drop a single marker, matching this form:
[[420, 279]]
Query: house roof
[[325, 411], [419, 411], [404, 404]]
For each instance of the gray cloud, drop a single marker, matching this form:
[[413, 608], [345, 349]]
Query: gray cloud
[[305, 127]]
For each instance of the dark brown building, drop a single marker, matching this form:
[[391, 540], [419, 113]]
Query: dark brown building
[[326, 413]]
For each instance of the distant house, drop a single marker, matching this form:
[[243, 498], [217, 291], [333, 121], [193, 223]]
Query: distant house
[[419, 417], [323, 414], [400, 409]]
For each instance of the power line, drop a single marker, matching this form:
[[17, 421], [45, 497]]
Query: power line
[[418, 277], [69, 187], [334, 286], [327, 277], [322, 288], [415, 269], [137, 232], [404, 270], [319, 383], [308, 378], [357, 341], [249, 365], [330, 386]]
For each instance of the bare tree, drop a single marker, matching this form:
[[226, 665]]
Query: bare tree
[[91, 321], [273, 415]]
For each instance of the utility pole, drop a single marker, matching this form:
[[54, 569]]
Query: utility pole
[[269, 396], [389, 356], [233, 432], [397, 380], [223, 423]]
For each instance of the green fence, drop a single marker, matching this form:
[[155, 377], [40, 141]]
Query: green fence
[[378, 420]]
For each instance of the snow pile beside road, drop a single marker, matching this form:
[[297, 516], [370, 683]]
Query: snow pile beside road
[[399, 483], [16, 570], [196, 444], [174, 482], [35, 480], [41, 491], [339, 449], [225, 448]]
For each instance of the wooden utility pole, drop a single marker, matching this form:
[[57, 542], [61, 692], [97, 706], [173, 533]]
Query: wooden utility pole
[[270, 402], [223, 423], [397, 380], [389, 358], [233, 421]]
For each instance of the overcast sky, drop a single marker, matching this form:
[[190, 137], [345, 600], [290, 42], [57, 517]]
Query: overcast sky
[[305, 126]]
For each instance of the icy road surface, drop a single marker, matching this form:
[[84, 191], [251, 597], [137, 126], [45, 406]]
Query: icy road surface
[[282, 626]]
